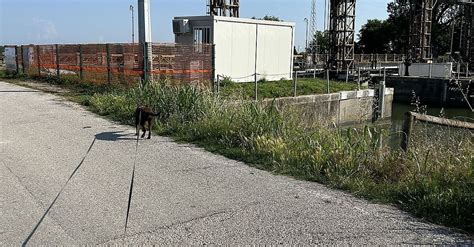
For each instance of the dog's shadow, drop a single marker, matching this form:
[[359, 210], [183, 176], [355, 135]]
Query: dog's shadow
[[114, 136]]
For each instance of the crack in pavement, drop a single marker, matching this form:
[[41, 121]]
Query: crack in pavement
[[231, 211], [40, 205]]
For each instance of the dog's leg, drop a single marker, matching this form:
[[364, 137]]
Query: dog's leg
[[144, 131], [150, 125], [137, 122]]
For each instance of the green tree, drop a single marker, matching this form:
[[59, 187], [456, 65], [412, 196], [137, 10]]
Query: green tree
[[322, 40], [268, 18], [374, 37], [445, 13]]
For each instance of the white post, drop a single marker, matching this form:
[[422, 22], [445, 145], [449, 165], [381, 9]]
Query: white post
[[329, 90], [431, 70], [132, 10], [256, 60], [144, 21], [459, 70], [358, 80], [295, 82], [218, 84], [382, 99], [256, 86], [144, 31], [347, 74], [382, 102]]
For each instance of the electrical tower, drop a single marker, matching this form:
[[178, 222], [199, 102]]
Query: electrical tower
[[223, 8], [421, 12], [342, 34], [471, 36], [467, 31], [312, 32]]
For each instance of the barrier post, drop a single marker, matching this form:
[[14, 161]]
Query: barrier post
[[58, 72], [347, 74], [22, 59], [458, 70], [145, 62], [327, 75], [381, 105], [407, 129], [213, 69], [16, 60], [39, 59], [81, 69], [109, 75], [430, 70], [218, 84], [295, 81], [256, 87], [358, 79]]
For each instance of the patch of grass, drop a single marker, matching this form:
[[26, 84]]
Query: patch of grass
[[4, 74], [283, 88]]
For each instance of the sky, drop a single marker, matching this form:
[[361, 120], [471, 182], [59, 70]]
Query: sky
[[101, 21]]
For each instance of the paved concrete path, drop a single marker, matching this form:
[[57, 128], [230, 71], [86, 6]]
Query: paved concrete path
[[182, 194]]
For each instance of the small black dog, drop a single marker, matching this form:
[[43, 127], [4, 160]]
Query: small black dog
[[144, 117]]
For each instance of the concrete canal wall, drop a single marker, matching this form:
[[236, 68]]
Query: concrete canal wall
[[340, 108]]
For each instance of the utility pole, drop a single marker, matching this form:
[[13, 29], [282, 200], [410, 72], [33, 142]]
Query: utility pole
[[144, 37], [306, 47], [133, 24], [325, 15]]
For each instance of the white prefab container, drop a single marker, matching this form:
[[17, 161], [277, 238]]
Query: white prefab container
[[243, 47]]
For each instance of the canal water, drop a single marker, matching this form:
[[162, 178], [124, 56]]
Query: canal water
[[399, 110], [395, 126]]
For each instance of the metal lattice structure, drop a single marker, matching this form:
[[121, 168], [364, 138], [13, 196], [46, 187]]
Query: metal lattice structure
[[420, 30], [471, 36], [342, 34], [467, 31], [313, 29], [229, 8]]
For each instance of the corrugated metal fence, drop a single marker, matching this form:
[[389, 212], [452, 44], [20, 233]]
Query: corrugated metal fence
[[114, 63]]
